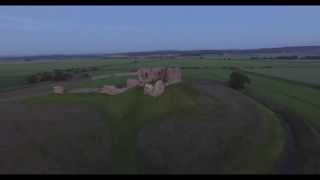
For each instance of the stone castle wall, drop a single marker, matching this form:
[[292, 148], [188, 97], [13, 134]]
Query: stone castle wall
[[151, 75]]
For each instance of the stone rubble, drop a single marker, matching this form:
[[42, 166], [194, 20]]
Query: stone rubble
[[158, 89]]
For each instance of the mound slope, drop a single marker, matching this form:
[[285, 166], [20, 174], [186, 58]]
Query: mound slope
[[201, 127], [239, 136], [53, 139]]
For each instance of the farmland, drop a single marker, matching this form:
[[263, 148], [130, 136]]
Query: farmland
[[308, 75], [14, 74]]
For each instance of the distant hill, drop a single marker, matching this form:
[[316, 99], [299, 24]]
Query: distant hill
[[308, 52], [54, 57], [298, 50]]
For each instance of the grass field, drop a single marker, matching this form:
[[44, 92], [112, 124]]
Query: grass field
[[301, 100], [14, 74], [302, 74]]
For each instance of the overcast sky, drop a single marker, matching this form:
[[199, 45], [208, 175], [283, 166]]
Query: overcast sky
[[30, 30]]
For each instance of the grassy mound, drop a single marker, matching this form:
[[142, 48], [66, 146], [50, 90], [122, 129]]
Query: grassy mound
[[128, 113]]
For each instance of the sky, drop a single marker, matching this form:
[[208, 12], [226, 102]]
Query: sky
[[34, 30]]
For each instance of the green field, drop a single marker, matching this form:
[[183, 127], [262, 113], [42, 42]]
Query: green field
[[308, 75], [15, 74], [301, 100]]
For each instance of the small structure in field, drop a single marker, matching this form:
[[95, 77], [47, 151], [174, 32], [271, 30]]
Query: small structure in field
[[58, 90]]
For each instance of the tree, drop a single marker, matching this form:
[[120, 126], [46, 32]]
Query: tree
[[35, 78], [60, 75], [237, 80], [46, 76]]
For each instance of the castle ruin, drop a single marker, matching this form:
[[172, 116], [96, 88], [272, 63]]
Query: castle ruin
[[153, 80]]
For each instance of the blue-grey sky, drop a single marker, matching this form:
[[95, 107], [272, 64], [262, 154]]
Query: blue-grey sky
[[27, 30]]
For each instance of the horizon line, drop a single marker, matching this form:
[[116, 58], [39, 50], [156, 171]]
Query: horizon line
[[143, 51]]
